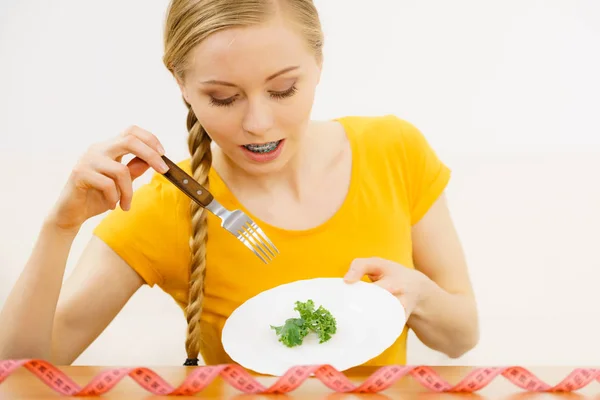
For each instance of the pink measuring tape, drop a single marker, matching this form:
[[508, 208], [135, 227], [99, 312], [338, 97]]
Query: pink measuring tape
[[200, 377]]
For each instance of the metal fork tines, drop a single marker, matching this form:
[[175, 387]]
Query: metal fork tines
[[245, 230], [236, 222]]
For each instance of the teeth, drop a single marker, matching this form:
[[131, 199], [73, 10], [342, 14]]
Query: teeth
[[262, 148]]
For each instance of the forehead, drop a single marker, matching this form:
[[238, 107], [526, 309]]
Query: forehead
[[248, 54]]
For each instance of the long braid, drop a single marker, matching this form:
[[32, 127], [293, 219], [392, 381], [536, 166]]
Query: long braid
[[189, 23], [201, 160]]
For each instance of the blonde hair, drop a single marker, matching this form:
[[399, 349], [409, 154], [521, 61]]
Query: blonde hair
[[188, 23]]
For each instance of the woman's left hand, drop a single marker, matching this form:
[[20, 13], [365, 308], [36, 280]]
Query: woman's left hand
[[408, 285]]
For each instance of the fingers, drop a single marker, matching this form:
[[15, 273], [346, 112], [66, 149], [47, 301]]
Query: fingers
[[122, 178], [99, 181], [95, 180], [137, 167], [105, 160], [145, 136], [140, 143], [376, 269], [372, 267], [388, 284]]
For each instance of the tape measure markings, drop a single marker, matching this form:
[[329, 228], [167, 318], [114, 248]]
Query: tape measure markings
[[239, 378]]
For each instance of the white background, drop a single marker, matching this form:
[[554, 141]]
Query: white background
[[506, 91]]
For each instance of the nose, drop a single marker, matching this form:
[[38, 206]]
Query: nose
[[258, 119]]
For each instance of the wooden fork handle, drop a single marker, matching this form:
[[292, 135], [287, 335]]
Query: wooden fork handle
[[187, 184]]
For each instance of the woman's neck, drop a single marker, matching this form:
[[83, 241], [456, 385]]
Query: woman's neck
[[316, 152]]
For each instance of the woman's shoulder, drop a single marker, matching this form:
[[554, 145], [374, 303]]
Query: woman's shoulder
[[367, 123], [400, 156], [382, 135]]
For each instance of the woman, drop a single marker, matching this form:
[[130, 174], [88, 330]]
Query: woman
[[359, 197]]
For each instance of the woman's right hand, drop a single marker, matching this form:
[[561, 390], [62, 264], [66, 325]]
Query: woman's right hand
[[99, 180]]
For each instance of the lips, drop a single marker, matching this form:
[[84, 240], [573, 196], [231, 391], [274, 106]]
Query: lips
[[263, 152], [262, 147]]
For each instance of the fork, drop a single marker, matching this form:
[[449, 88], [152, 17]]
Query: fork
[[235, 222]]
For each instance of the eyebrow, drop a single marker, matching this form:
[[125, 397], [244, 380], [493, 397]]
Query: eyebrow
[[271, 77]]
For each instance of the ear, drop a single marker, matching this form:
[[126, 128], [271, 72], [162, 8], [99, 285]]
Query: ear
[[183, 90], [320, 70]]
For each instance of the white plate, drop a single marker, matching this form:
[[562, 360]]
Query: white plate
[[369, 320]]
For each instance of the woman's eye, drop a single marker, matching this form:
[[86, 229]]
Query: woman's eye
[[285, 93], [274, 94], [222, 102]]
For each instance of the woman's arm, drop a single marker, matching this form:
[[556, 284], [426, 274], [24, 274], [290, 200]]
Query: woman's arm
[[37, 320], [28, 313], [97, 290], [40, 320], [445, 318]]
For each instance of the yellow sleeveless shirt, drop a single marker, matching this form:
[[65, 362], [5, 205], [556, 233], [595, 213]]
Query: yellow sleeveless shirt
[[396, 177]]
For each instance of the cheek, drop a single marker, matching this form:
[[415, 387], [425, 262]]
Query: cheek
[[296, 115], [222, 125]]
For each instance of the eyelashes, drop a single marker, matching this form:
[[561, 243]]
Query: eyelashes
[[275, 95], [286, 93]]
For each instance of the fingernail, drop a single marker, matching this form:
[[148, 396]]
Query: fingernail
[[161, 150], [163, 167]]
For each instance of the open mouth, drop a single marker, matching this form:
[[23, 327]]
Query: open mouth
[[263, 147]]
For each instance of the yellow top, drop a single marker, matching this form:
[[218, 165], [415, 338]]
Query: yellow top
[[396, 177]]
